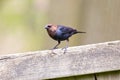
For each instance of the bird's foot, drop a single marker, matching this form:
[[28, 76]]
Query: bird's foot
[[54, 48], [65, 49], [53, 52]]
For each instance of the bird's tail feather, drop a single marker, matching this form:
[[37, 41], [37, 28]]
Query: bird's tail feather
[[80, 32], [75, 32]]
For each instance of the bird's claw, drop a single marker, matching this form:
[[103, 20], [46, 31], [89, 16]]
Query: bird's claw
[[55, 48], [65, 49], [53, 52]]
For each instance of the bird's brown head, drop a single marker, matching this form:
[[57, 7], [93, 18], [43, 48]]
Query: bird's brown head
[[51, 27]]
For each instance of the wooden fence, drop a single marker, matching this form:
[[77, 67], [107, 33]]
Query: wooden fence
[[89, 62]]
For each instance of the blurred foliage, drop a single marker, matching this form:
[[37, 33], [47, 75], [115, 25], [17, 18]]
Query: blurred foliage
[[21, 26]]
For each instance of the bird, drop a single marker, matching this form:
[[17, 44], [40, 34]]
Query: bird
[[61, 33]]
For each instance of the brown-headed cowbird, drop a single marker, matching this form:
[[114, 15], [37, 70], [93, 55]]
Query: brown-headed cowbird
[[60, 33]]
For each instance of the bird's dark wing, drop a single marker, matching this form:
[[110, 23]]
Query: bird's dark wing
[[65, 29]]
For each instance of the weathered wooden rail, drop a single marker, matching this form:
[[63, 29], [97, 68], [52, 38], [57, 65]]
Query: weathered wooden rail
[[86, 62]]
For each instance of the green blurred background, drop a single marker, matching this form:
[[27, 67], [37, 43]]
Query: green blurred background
[[22, 22]]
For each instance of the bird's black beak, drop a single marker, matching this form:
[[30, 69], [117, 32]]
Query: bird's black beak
[[46, 27]]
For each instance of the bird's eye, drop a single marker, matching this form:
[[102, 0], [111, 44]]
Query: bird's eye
[[49, 26]]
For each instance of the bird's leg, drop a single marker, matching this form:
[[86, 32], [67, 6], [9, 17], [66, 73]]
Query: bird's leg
[[56, 45], [66, 46]]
